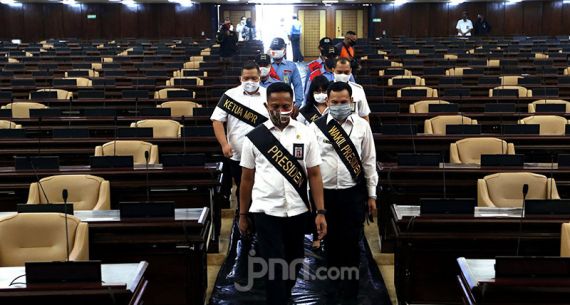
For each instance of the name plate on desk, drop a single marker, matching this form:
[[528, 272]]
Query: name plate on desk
[[382, 108], [419, 159], [462, 129], [36, 163], [399, 129], [500, 107], [111, 162], [445, 206], [45, 208], [414, 92], [520, 129], [155, 112], [70, 133], [135, 132], [45, 112], [156, 209], [174, 160], [63, 272], [532, 267], [502, 160], [547, 207], [448, 108], [558, 108], [12, 133], [461, 92]]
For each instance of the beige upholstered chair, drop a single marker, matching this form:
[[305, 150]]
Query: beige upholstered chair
[[565, 240], [549, 124], [540, 56], [406, 72], [92, 73], [129, 148], [437, 125], [430, 92], [61, 94], [13, 60], [523, 92], [532, 106], [180, 73], [413, 51], [81, 81], [35, 237], [97, 66], [493, 62], [206, 52], [86, 192], [567, 71], [106, 59], [161, 128], [191, 65], [469, 150], [163, 93], [197, 58], [510, 80], [180, 108], [170, 82], [505, 189], [5, 124], [418, 80], [450, 56], [423, 106], [456, 71], [21, 110]]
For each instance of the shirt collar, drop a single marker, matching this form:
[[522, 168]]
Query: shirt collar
[[349, 119], [269, 124]]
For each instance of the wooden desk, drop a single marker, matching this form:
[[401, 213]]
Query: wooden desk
[[123, 284], [427, 247], [476, 278]]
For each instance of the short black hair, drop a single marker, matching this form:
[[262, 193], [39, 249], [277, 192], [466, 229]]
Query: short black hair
[[338, 87], [319, 82], [342, 60], [278, 88], [250, 65], [350, 33]]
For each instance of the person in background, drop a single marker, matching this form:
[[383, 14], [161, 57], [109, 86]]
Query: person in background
[[464, 26], [239, 27], [315, 103], [264, 63], [295, 37], [346, 47], [227, 39], [286, 71], [323, 65], [227, 24], [249, 33], [342, 72], [482, 27]]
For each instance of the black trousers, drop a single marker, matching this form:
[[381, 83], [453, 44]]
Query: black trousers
[[296, 44], [345, 218], [280, 238]]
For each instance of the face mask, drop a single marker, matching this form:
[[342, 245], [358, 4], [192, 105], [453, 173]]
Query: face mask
[[250, 86], [264, 71], [352, 42], [340, 112], [277, 54], [329, 63], [280, 118], [341, 77], [320, 97]]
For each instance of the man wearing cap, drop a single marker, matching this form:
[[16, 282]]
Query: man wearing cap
[[264, 63], [324, 64], [285, 71]]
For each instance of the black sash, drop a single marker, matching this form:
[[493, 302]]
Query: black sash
[[279, 156], [240, 111], [343, 146], [310, 113]]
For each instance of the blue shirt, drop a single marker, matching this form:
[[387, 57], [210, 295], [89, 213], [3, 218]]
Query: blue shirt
[[270, 80], [289, 74], [296, 28]]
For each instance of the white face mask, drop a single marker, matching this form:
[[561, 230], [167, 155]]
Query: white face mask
[[264, 71], [320, 97], [277, 54], [341, 78], [250, 86]]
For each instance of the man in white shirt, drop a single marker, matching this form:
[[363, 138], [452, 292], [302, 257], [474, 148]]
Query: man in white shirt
[[464, 26], [349, 180], [239, 28], [342, 72], [279, 157]]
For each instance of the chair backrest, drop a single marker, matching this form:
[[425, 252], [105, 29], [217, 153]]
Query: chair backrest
[[180, 108], [191, 65], [33, 237], [565, 240], [523, 92], [81, 81], [61, 94], [469, 150], [493, 62], [92, 73], [5, 124], [450, 56], [418, 80], [423, 106], [405, 71], [437, 125], [163, 93], [133, 148], [458, 71], [505, 189], [413, 51], [161, 128], [510, 80], [549, 124], [532, 106], [430, 92], [21, 110], [197, 58], [86, 192]]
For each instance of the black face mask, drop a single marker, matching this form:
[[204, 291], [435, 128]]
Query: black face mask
[[352, 42], [329, 63]]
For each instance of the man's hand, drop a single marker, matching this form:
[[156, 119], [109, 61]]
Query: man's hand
[[227, 150], [244, 229], [321, 224], [371, 206]]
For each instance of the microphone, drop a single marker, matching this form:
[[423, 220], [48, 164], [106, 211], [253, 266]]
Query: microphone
[[183, 135], [64, 195], [524, 192], [551, 176], [146, 158], [31, 161]]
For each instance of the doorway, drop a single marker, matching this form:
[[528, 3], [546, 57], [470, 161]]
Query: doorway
[[274, 21]]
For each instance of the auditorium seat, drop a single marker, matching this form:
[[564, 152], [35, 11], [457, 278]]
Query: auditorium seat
[[456, 71], [161, 128], [540, 56], [565, 240], [171, 81], [180, 108], [86, 192], [21, 110], [567, 71], [418, 80], [13, 60], [386, 72], [413, 51], [493, 62], [191, 65], [510, 80], [81, 81], [4, 124], [40, 237], [61, 94], [180, 73], [450, 56], [423, 106], [133, 148], [163, 93], [469, 150], [92, 73], [505, 189], [437, 125], [197, 58], [532, 106], [430, 92], [523, 92], [549, 124]]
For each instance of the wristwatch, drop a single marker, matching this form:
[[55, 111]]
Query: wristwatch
[[321, 212]]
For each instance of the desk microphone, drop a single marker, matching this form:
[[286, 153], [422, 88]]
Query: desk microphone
[[146, 159], [183, 135], [551, 176], [524, 192], [31, 161], [64, 194]]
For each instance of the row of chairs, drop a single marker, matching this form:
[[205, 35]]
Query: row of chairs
[[424, 105]]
